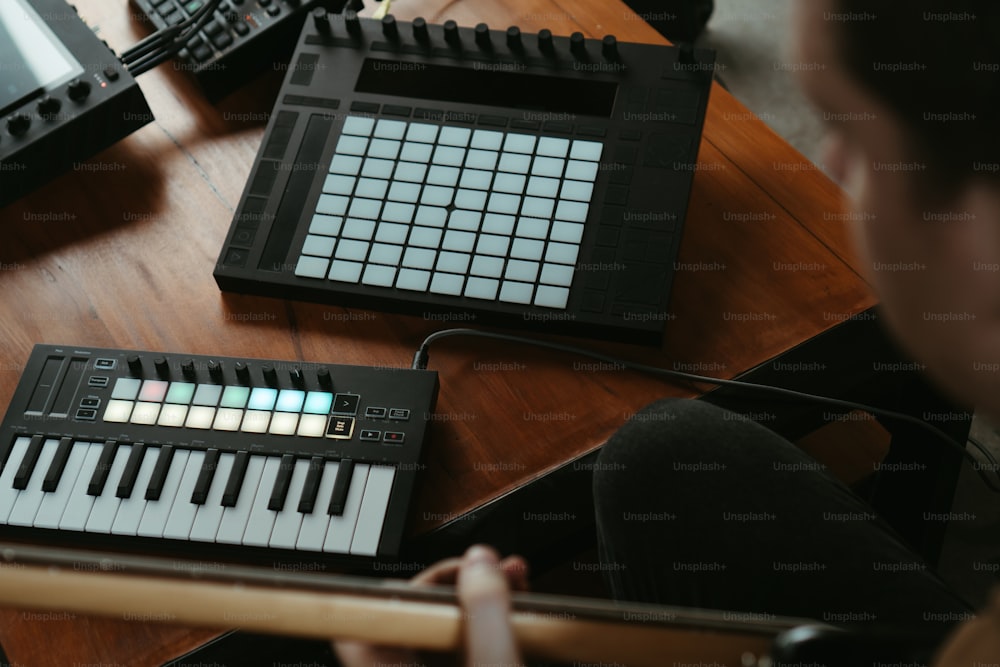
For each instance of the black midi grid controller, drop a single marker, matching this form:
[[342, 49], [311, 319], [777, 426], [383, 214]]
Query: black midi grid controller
[[241, 460], [535, 181]]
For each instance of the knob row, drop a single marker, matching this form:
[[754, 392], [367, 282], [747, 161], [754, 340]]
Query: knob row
[[482, 35], [19, 123], [215, 371]]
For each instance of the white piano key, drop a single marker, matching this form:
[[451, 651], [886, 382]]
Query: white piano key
[[8, 494], [54, 504], [373, 508], [234, 519], [30, 498], [154, 518], [206, 522], [286, 526], [80, 503], [183, 511], [258, 530], [341, 531], [102, 514], [314, 525], [130, 510]]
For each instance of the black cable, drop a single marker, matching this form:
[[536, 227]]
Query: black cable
[[421, 357], [166, 43]]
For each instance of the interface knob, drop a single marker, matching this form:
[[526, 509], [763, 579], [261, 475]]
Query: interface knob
[[514, 42], [545, 40], [242, 372], [483, 37], [352, 22], [298, 379], [187, 367], [134, 364], [78, 90], [609, 47], [451, 33], [578, 45], [215, 370], [420, 30], [321, 21], [48, 107], [18, 124], [270, 375], [323, 375], [162, 367], [389, 28]]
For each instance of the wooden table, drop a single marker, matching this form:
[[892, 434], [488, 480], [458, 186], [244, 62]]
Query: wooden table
[[125, 260]]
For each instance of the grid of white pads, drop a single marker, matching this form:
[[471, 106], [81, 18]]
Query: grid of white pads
[[452, 210]]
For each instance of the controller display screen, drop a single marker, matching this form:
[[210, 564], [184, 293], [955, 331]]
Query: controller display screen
[[32, 58], [489, 84]]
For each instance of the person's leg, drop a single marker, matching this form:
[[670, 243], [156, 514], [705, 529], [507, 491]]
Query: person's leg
[[699, 507]]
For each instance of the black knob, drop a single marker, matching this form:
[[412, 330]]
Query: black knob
[[352, 22], [514, 38], [545, 40], [79, 90], [162, 367], [356, 5], [578, 45], [483, 36], [18, 124], [215, 370], [321, 21], [389, 28], [323, 375], [187, 367], [451, 33], [609, 47], [232, 16], [298, 379], [420, 30], [270, 375], [48, 107], [134, 364], [242, 372]]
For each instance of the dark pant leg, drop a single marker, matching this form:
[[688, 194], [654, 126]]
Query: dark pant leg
[[699, 507]]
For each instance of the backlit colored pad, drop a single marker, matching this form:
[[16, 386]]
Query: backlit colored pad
[[484, 214]]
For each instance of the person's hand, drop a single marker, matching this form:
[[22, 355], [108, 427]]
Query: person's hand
[[483, 584], [975, 642]]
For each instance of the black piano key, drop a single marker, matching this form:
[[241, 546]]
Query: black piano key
[[100, 476], [311, 486], [339, 498], [280, 490], [28, 462], [160, 471], [205, 477], [127, 483], [55, 471], [5, 448], [235, 481]]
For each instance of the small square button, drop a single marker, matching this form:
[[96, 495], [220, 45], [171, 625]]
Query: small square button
[[290, 400], [394, 437], [284, 423], [370, 435], [373, 412], [312, 426], [227, 419], [262, 398], [340, 428], [487, 139], [318, 403], [126, 389], [255, 421], [118, 411], [413, 279], [346, 404], [359, 125], [180, 392], [235, 397], [200, 416], [153, 391], [207, 394], [145, 413], [312, 267], [172, 415]]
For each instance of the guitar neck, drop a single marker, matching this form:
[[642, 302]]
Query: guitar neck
[[391, 613]]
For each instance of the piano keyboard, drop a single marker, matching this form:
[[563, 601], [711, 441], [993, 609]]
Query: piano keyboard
[[214, 458]]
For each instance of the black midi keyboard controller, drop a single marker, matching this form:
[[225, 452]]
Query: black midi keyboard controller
[[212, 458], [533, 180]]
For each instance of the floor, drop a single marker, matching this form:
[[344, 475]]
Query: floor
[[751, 40]]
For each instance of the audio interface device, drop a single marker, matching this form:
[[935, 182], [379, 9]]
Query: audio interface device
[[64, 95]]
